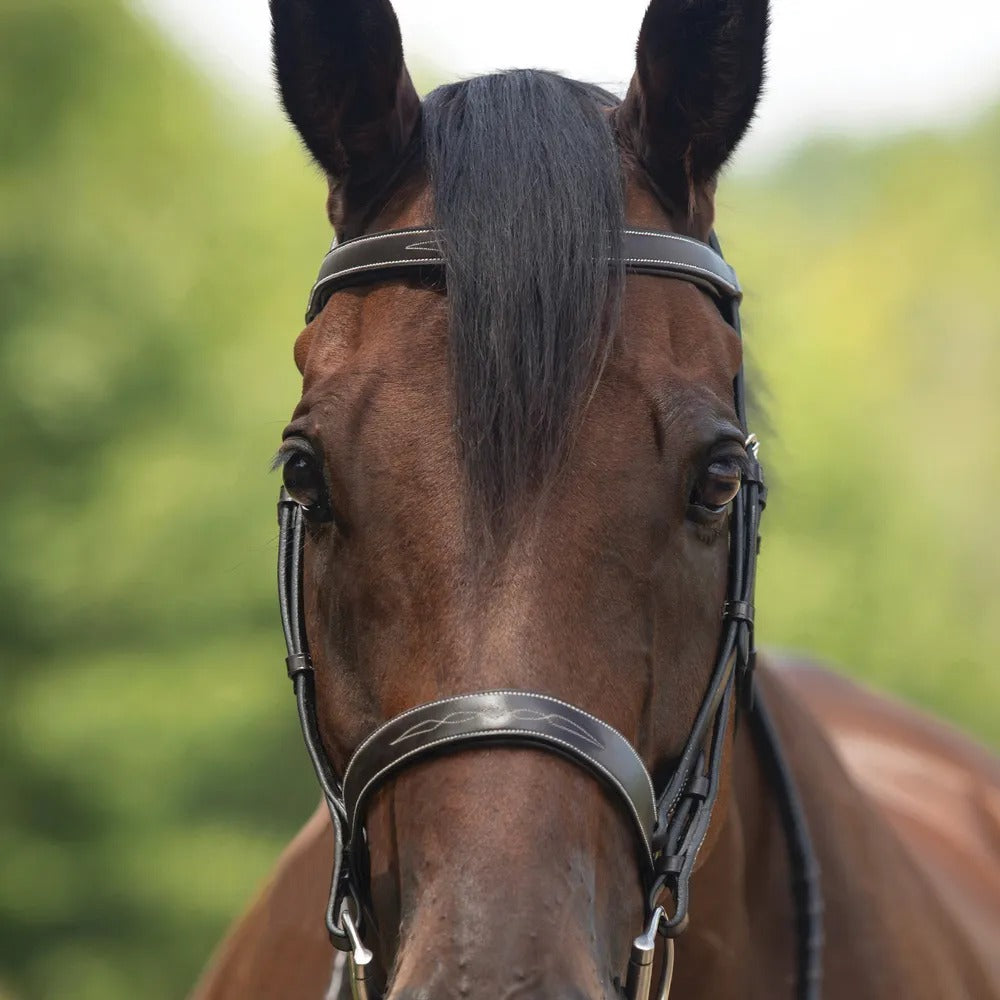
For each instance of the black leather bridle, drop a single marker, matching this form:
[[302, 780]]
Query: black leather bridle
[[672, 824]]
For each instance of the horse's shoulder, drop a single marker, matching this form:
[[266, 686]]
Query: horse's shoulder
[[279, 947], [938, 789]]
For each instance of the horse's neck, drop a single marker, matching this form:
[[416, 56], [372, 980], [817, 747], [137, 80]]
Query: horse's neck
[[885, 930]]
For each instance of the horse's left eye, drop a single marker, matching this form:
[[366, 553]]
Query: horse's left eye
[[716, 486], [303, 479]]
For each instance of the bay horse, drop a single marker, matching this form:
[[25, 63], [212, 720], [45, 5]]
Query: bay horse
[[520, 516]]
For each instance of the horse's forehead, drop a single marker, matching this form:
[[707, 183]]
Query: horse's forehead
[[673, 333]]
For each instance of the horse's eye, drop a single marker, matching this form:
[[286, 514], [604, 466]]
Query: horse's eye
[[716, 487], [303, 479]]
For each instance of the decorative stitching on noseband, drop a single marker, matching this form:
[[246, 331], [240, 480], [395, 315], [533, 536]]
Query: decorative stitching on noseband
[[497, 712], [463, 737], [503, 693]]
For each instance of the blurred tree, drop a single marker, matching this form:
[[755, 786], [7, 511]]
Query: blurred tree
[[144, 373], [157, 244], [870, 271]]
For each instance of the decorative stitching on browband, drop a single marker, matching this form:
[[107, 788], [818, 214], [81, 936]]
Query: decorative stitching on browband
[[423, 246], [670, 236], [379, 263], [388, 234], [684, 266], [462, 737], [320, 285], [718, 280], [516, 694], [430, 230]]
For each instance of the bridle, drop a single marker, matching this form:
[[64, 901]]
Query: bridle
[[672, 824]]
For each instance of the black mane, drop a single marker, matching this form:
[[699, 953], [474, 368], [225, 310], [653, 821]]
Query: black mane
[[528, 192]]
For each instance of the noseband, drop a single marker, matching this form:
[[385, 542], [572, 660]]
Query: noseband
[[671, 823]]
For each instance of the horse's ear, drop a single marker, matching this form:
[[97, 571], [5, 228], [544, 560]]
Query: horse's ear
[[347, 91], [699, 72]]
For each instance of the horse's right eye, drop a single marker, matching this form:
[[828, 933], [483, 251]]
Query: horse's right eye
[[717, 486], [304, 481]]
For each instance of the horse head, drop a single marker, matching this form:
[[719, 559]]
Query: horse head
[[519, 472]]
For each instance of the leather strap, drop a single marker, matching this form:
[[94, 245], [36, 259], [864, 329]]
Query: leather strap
[[508, 718], [417, 253], [807, 888]]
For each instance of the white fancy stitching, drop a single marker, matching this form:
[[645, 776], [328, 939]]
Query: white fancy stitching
[[684, 266], [460, 717], [670, 236], [486, 694], [338, 248], [390, 234], [459, 737], [323, 282], [378, 263]]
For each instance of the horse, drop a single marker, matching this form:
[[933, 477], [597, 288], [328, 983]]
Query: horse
[[519, 525]]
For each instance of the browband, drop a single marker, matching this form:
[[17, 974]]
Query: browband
[[417, 253]]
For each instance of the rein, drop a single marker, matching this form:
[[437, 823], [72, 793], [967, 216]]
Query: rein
[[671, 823]]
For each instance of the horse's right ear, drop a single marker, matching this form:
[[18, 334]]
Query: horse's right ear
[[346, 89]]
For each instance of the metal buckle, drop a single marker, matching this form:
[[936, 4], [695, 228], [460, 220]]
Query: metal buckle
[[640, 964], [358, 959], [752, 444]]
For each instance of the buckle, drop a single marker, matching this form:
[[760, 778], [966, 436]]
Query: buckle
[[358, 959]]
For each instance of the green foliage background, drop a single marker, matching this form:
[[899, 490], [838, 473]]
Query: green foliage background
[[157, 242]]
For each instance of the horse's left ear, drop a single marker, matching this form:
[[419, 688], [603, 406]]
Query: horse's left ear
[[348, 93], [699, 72]]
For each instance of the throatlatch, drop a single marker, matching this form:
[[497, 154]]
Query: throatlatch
[[671, 826]]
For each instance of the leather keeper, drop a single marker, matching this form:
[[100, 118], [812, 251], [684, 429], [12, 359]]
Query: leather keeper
[[741, 611], [698, 788]]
